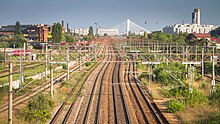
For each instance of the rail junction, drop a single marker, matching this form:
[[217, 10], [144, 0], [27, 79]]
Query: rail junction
[[111, 93]]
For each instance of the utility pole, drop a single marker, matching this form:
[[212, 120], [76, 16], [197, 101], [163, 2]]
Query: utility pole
[[51, 76], [80, 60], [46, 62], [167, 53], [51, 80], [4, 55], [150, 75], [10, 94], [67, 61], [213, 71], [21, 78], [202, 61]]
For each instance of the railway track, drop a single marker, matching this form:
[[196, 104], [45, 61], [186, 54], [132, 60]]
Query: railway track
[[64, 104], [107, 98], [19, 100], [90, 97], [64, 112], [88, 116], [146, 109], [24, 98], [120, 107], [154, 110]]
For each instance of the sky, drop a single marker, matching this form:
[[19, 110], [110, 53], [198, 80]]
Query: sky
[[107, 13]]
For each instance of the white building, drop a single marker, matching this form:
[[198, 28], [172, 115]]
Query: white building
[[195, 27], [81, 31], [189, 28], [109, 32]]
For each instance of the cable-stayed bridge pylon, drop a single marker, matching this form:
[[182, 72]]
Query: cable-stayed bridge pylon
[[128, 27]]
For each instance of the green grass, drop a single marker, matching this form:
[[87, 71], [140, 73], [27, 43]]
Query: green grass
[[213, 118], [1, 67], [5, 79]]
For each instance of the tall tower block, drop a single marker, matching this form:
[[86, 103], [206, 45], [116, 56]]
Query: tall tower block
[[196, 16]]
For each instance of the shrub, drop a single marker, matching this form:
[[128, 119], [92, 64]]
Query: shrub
[[37, 110], [143, 75], [195, 98], [64, 66], [162, 73], [88, 64], [216, 96], [174, 106]]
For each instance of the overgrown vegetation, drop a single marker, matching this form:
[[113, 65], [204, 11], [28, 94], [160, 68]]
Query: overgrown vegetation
[[162, 37], [3, 94], [198, 104], [175, 106], [215, 33], [163, 72], [208, 68], [37, 110], [88, 64]]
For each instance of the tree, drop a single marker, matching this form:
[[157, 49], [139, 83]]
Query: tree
[[216, 32], [18, 28], [57, 32], [91, 31], [69, 38]]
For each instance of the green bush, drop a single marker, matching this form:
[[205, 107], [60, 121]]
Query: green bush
[[1, 57], [37, 110], [216, 96], [195, 98], [88, 64], [64, 66], [178, 92], [143, 75], [161, 73], [174, 106]]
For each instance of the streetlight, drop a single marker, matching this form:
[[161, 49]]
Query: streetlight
[[96, 24]]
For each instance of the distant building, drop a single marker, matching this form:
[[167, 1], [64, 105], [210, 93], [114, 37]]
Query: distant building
[[81, 31], [10, 29], [196, 16], [195, 27], [218, 43], [200, 36], [109, 32], [39, 32]]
